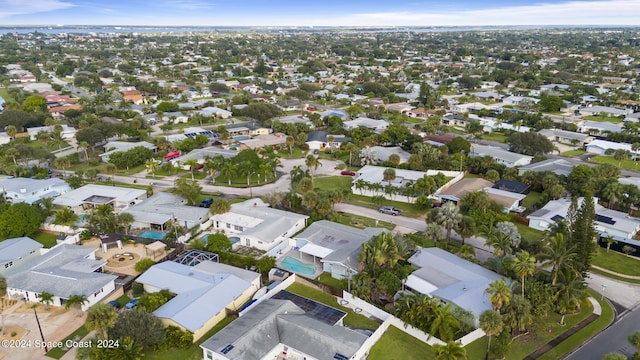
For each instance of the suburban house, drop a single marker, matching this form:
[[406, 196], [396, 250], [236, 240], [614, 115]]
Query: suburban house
[[557, 166], [320, 140], [451, 279], [115, 146], [263, 140], [601, 146], [566, 137], [67, 132], [382, 153], [337, 246], [201, 155], [253, 223], [156, 211], [508, 158], [205, 293], [518, 100], [192, 132], [17, 251], [32, 190], [286, 326], [4, 138], [600, 110], [457, 191], [512, 186], [65, 270], [215, 112], [87, 197], [610, 222], [369, 181], [598, 127], [373, 124], [294, 119], [510, 201]]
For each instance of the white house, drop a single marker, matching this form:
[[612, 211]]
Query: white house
[[64, 271], [518, 100], [115, 146], [601, 146], [320, 140], [89, 196], [156, 211], [382, 153], [373, 124], [215, 112], [67, 132], [598, 127], [508, 158], [253, 223], [32, 190], [566, 137], [17, 251]]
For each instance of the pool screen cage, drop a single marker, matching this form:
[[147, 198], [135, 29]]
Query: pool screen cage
[[194, 257]]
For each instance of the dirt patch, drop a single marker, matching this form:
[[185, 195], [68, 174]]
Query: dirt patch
[[41, 309], [123, 259], [9, 330]]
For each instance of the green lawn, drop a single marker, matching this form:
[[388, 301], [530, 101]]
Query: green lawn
[[494, 136], [352, 319], [529, 234], [296, 153], [531, 199], [326, 278], [617, 262], [396, 344], [625, 164], [193, 352], [48, 240], [360, 221], [59, 352], [573, 153], [5, 95], [586, 333], [611, 276], [241, 181], [123, 300], [611, 119], [409, 210], [340, 183]]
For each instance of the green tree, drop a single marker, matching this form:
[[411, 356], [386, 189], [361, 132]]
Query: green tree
[[609, 240], [529, 143], [3, 292], [499, 294], [143, 327], [312, 162], [389, 175], [34, 103], [20, 219], [219, 206], [217, 243], [524, 265], [11, 131], [265, 263], [444, 323], [193, 166], [620, 155], [452, 350], [65, 216], [189, 189], [124, 220], [491, 323], [143, 265], [550, 103], [101, 317], [448, 216], [228, 170], [466, 228], [76, 301], [290, 141], [560, 254], [153, 301], [46, 298]]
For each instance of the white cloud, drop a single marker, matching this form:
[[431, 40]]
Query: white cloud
[[21, 7], [188, 4]]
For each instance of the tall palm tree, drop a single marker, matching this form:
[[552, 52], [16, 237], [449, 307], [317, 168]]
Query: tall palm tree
[[524, 265], [444, 324], [499, 294], [448, 216], [491, 323], [247, 169], [84, 146], [75, 301], [46, 298], [610, 240], [152, 167], [560, 254], [11, 131], [312, 162], [124, 220], [100, 317], [452, 350], [228, 170], [57, 140], [351, 148], [569, 293], [193, 165], [290, 141]]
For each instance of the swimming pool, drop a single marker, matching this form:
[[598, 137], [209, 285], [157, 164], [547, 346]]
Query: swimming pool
[[233, 239], [241, 137], [156, 235], [296, 265]]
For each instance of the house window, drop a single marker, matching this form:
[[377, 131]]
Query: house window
[[237, 228], [209, 354], [228, 226], [247, 242], [98, 292], [8, 265]]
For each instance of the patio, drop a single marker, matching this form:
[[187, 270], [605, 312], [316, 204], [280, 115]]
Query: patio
[[300, 263], [129, 253]]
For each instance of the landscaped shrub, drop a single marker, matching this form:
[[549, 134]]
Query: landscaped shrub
[[177, 338], [137, 289]]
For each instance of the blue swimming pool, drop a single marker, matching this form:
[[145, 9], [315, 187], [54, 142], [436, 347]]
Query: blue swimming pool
[[149, 234], [298, 266], [233, 239]]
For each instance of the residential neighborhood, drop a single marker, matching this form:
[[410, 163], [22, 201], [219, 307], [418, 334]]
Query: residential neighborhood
[[304, 193]]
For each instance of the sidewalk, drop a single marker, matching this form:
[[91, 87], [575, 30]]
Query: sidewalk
[[632, 277]]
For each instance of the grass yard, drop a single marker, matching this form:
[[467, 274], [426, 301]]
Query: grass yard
[[5, 95], [360, 221], [193, 352], [352, 319], [494, 136], [296, 153], [48, 240], [326, 278], [611, 276], [611, 119], [339, 183], [59, 352], [531, 199], [573, 153], [409, 210], [624, 164], [395, 344], [241, 181], [529, 234], [617, 262]]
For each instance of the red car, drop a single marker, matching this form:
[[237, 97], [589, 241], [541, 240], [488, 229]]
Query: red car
[[348, 173]]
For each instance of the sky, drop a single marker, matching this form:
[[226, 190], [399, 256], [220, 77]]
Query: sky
[[320, 13]]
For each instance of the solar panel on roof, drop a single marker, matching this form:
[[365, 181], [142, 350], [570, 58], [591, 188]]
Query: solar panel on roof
[[605, 219], [227, 349], [557, 218], [340, 357], [313, 308]]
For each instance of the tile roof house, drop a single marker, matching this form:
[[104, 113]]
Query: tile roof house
[[337, 246], [257, 225], [282, 327], [16, 251], [205, 293], [65, 270], [452, 279], [32, 190]]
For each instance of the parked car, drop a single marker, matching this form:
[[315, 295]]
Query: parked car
[[206, 203], [131, 304], [348, 173], [316, 152], [115, 304], [389, 210]]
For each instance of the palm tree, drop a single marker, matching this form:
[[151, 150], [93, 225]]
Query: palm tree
[[75, 301], [152, 166], [228, 170], [467, 251], [491, 323], [448, 216], [290, 141], [84, 146], [193, 165], [12, 153], [620, 155], [517, 315], [312, 162], [128, 350], [46, 298], [246, 168], [125, 219], [444, 324], [452, 350], [100, 317], [524, 265], [634, 147], [350, 147], [61, 163], [389, 175], [499, 294], [330, 140], [57, 140], [610, 240], [558, 252], [11, 131], [570, 292], [466, 228]]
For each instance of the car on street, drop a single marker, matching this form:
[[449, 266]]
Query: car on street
[[131, 304], [389, 210], [206, 203], [316, 152], [348, 173]]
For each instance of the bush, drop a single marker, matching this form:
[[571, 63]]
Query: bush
[[144, 264], [13, 334], [85, 235], [177, 338], [137, 289]]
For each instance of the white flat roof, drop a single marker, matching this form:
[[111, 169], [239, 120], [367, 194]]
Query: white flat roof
[[316, 250]]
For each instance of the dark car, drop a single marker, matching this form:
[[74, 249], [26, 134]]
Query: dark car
[[348, 173], [389, 210], [206, 203], [316, 151], [115, 304]]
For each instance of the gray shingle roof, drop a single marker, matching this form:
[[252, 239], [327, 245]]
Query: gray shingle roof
[[12, 249]]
